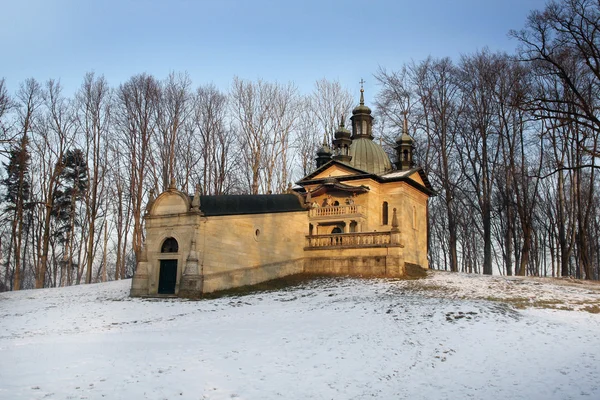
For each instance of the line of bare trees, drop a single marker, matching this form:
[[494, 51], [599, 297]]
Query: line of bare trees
[[511, 145], [78, 170]]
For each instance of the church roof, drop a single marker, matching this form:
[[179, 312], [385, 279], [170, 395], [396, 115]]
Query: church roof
[[330, 184], [323, 167], [404, 176], [369, 156], [249, 204], [391, 176]]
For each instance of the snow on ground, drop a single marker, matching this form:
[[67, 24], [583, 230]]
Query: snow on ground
[[337, 338], [522, 292]]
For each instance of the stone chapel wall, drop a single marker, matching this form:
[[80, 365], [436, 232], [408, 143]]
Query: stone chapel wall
[[240, 250]]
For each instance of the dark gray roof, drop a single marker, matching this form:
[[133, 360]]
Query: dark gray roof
[[249, 204]]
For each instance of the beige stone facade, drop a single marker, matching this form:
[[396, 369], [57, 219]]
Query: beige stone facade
[[340, 220]]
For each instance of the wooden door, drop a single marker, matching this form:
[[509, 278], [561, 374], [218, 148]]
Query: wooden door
[[167, 277]]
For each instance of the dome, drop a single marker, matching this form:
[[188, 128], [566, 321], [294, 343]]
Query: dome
[[369, 156], [361, 109]]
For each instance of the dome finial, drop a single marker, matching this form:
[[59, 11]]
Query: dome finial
[[324, 138], [342, 122], [405, 125], [362, 92]]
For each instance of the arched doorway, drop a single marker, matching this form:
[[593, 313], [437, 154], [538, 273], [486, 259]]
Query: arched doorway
[[337, 229], [167, 277]]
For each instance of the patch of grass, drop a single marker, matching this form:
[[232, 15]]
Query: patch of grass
[[413, 271], [594, 309], [522, 303], [287, 282], [291, 281]]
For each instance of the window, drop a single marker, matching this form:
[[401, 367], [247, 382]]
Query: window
[[257, 233], [169, 246], [384, 213]]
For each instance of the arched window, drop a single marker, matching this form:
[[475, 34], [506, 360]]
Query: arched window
[[169, 246], [405, 155], [337, 229], [384, 213]]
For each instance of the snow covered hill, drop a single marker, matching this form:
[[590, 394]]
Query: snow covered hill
[[342, 338]]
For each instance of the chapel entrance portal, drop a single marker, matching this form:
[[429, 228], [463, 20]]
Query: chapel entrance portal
[[167, 277]]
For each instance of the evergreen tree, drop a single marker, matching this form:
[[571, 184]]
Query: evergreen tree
[[73, 185], [18, 193], [72, 188]]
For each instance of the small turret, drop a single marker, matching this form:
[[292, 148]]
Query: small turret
[[324, 153], [341, 143], [362, 120], [405, 146]]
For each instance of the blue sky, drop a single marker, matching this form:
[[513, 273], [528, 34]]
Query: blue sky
[[298, 41]]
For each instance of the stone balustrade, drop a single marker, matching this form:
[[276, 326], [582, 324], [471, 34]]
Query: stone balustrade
[[333, 211], [362, 239]]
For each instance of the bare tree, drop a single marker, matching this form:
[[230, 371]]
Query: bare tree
[[251, 104], [53, 138], [94, 112], [6, 106], [479, 153], [285, 113], [120, 205], [215, 139], [562, 41], [438, 94], [521, 156], [309, 136], [330, 101], [136, 105], [172, 110]]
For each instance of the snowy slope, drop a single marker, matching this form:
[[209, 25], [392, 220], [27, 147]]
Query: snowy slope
[[329, 339]]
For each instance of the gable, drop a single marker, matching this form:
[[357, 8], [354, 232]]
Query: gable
[[335, 170], [171, 202], [415, 176]]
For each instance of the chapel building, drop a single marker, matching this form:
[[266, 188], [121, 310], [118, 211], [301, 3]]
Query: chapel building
[[355, 214]]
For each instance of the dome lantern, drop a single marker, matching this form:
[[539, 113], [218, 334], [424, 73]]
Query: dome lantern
[[362, 121], [341, 143], [405, 146], [324, 153]]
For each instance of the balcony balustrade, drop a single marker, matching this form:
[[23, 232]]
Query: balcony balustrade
[[362, 239], [336, 211]]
